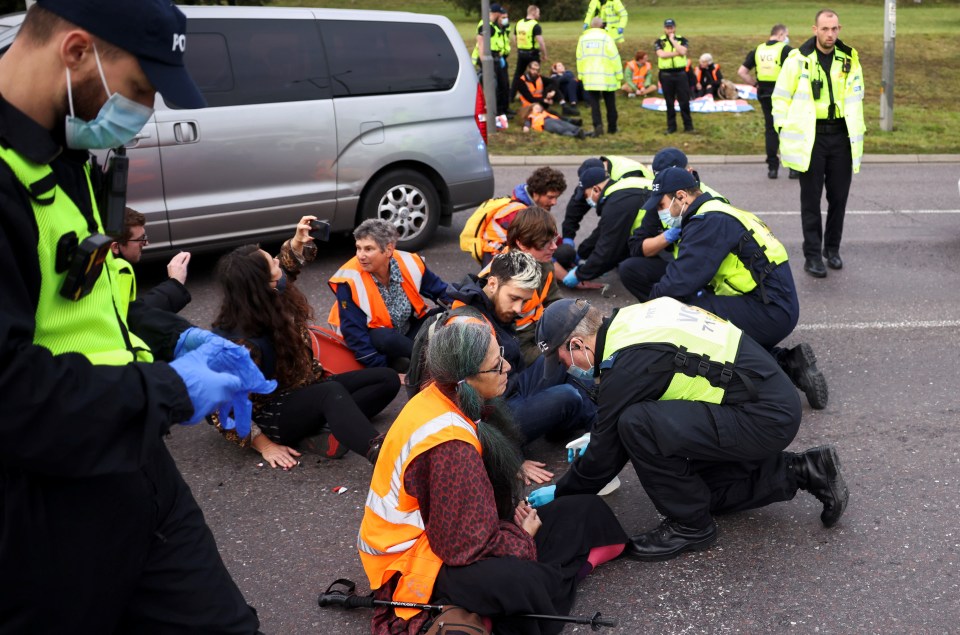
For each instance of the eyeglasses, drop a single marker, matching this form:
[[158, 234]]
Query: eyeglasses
[[143, 239], [557, 240], [498, 369]]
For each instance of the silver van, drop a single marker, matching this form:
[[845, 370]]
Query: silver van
[[343, 114]]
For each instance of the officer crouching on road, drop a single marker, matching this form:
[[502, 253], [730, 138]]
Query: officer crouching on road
[[730, 263], [702, 411]]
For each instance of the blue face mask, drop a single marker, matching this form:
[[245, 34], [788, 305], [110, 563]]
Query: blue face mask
[[590, 201], [667, 219], [585, 376], [117, 123], [282, 282]]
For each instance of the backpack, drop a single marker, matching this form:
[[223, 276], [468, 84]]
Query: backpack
[[471, 238], [417, 375]]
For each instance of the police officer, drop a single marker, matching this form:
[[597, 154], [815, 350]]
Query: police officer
[[530, 44], [499, 50], [818, 109], [100, 534], [672, 61], [599, 68], [730, 263], [613, 16], [767, 59], [618, 203], [700, 409]]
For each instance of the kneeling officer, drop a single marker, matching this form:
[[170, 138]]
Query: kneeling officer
[[702, 411]]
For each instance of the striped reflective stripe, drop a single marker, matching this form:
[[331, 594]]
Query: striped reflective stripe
[[413, 267], [802, 96], [363, 300], [792, 136], [386, 507], [792, 158], [781, 92], [856, 138], [854, 98]]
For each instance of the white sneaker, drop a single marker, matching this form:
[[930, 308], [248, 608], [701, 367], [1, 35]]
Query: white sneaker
[[610, 487], [631, 95]]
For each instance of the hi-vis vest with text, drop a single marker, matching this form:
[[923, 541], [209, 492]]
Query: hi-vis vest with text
[[366, 295], [675, 62], [524, 30], [621, 167], [483, 233], [766, 60], [701, 340], [735, 276], [92, 325], [795, 111], [392, 537]]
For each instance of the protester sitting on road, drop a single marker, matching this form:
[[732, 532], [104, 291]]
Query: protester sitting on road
[[381, 297], [533, 231], [705, 79], [638, 81], [571, 89], [169, 295], [536, 118], [542, 402], [263, 310], [446, 522]]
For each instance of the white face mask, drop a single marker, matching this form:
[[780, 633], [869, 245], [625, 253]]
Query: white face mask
[[504, 21], [118, 122], [786, 40]]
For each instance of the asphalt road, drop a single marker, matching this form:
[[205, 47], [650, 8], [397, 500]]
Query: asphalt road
[[885, 329]]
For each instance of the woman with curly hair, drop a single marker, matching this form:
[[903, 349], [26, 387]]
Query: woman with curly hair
[[445, 520], [264, 310]]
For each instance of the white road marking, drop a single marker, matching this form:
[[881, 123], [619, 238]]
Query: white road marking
[[867, 326]]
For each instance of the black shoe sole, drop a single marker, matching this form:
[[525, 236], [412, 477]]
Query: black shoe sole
[[816, 274], [838, 486], [810, 380], [700, 545]]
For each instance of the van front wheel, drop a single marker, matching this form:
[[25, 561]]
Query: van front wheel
[[410, 202]]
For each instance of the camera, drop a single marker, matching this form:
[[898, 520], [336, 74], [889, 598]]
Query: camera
[[816, 86], [320, 230]]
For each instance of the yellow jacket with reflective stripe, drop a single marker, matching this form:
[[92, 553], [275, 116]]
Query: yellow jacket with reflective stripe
[[95, 325], [366, 295], [525, 39], [392, 537], [612, 12], [733, 277], [621, 166], [626, 183], [668, 63], [499, 41], [795, 112], [598, 61], [766, 60], [698, 335]]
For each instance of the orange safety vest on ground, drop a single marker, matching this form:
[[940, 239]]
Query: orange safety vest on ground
[[366, 295], [639, 72], [535, 88], [533, 308], [537, 119], [392, 536]]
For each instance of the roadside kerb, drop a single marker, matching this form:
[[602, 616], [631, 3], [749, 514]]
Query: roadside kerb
[[715, 159]]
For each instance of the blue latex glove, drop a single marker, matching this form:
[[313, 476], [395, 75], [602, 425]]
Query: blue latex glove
[[577, 447], [585, 26], [672, 234], [541, 496], [620, 31], [571, 280], [209, 390], [191, 340], [569, 241], [227, 357], [503, 63]]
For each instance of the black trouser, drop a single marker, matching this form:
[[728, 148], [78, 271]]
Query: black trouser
[[696, 459], [676, 87], [122, 553], [610, 103], [523, 59], [831, 165], [503, 85], [345, 404], [771, 139], [639, 273]]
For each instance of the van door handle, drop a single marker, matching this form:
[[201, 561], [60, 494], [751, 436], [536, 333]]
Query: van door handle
[[186, 132], [140, 135]]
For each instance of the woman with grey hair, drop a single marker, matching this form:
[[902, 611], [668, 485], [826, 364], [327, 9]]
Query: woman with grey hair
[[445, 521], [382, 295]]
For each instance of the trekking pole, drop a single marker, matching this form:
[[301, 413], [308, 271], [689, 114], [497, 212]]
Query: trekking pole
[[348, 599]]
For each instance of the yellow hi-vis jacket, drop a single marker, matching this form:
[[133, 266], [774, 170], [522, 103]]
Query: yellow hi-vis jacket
[[795, 111], [598, 61], [393, 536], [612, 12]]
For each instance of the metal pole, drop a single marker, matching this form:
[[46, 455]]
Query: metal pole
[[486, 68], [886, 81]]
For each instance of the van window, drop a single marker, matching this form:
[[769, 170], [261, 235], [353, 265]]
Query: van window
[[238, 62], [383, 58]]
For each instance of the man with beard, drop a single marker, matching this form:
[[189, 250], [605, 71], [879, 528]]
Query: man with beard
[[98, 531]]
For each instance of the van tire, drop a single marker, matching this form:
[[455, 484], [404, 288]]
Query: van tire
[[409, 201]]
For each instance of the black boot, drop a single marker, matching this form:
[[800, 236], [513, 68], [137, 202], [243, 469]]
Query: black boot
[[800, 364], [373, 450], [818, 471], [669, 540]]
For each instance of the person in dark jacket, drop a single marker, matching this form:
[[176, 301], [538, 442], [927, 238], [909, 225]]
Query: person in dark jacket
[[729, 263], [99, 531], [171, 294], [702, 412]]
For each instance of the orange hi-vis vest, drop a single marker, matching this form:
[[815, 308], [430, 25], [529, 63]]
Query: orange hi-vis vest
[[713, 73], [537, 119], [533, 308], [495, 234], [366, 295], [639, 72], [392, 536], [535, 88]]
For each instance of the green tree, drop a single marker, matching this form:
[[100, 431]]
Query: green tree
[[550, 10], [12, 6]]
